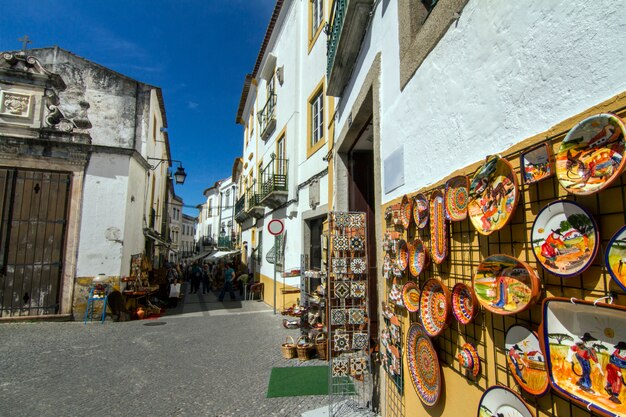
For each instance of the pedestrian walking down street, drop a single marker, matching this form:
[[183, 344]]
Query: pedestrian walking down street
[[229, 275], [205, 279], [196, 277]]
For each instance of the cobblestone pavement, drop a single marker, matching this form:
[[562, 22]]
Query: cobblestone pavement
[[203, 358]]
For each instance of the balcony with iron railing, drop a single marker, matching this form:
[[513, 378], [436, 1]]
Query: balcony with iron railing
[[274, 183], [348, 24], [253, 198], [241, 215], [224, 242], [267, 117]]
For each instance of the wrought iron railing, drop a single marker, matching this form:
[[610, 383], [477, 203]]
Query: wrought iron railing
[[267, 113], [253, 197], [224, 243], [240, 205], [274, 176], [336, 24]]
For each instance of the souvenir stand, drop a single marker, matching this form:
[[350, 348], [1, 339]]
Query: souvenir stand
[[348, 327], [509, 276]]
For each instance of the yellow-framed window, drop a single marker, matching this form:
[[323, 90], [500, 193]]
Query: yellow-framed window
[[315, 117], [316, 20]]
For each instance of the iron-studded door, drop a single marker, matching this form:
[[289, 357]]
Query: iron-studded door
[[32, 235]]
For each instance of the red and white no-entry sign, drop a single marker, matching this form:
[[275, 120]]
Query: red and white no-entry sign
[[276, 227]]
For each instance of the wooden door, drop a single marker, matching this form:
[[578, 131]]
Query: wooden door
[[32, 237]]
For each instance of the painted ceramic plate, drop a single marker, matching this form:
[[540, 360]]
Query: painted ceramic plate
[[418, 257], [565, 238], [615, 257], [505, 285], [457, 197], [592, 154], [434, 307], [420, 210], [424, 366], [411, 296], [585, 348], [469, 360], [406, 211], [464, 303], [438, 227], [402, 260], [537, 164], [501, 401], [525, 360], [493, 195]]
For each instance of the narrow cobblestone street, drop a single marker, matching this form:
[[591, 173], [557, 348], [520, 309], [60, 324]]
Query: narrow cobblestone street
[[203, 358]]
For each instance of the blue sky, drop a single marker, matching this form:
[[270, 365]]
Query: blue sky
[[197, 51]]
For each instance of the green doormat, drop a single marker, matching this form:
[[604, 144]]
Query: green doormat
[[305, 380]]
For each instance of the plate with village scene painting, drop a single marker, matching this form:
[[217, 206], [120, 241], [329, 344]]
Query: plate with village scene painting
[[585, 348], [592, 154], [615, 257], [525, 360], [500, 401], [564, 238], [505, 285], [537, 164], [493, 195]]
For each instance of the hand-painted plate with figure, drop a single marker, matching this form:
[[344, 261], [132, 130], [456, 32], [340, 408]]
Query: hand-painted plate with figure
[[423, 365], [615, 257], [464, 303], [585, 348], [565, 238], [435, 310], [420, 210], [525, 359], [457, 197], [592, 154], [418, 257], [501, 401], [505, 285], [406, 211], [493, 195], [438, 227]]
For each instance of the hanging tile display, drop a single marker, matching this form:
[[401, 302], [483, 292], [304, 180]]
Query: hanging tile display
[[341, 341], [357, 289], [338, 316], [342, 289], [356, 316], [358, 366], [340, 242], [356, 243], [358, 265], [340, 265], [360, 340], [356, 220], [340, 367]]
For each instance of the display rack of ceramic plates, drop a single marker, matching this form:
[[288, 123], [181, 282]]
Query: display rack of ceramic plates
[[565, 238], [411, 296], [423, 365], [438, 227], [526, 362], [464, 303], [615, 257], [435, 309], [501, 401], [537, 164], [402, 261], [505, 285], [418, 257], [457, 197], [469, 360], [493, 195], [585, 347], [592, 154], [420, 210], [406, 211]]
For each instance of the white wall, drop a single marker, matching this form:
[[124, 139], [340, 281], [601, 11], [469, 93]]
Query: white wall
[[504, 72], [134, 221], [103, 229]]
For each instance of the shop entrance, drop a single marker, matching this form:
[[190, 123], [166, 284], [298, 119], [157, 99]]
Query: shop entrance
[[361, 197], [315, 242], [32, 236]]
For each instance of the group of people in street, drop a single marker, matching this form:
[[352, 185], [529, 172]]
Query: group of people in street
[[208, 277]]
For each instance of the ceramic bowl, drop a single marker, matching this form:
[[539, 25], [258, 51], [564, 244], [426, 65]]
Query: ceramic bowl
[[402, 261], [464, 303], [423, 363], [456, 198], [420, 210], [537, 164], [505, 285], [406, 211], [411, 296], [501, 401], [418, 257], [435, 309], [469, 360]]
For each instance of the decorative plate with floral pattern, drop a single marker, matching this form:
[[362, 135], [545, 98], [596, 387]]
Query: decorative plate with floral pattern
[[411, 296], [406, 210], [423, 364], [403, 256], [457, 195], [438, 227], [464, 303], [434, 307], [420, 210], [418, 257]]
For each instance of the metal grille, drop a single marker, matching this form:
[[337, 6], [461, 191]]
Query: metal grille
[[32, 235]]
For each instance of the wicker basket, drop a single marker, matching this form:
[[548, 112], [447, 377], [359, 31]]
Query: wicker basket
[[321, 346], [304, 348], [288, 349]]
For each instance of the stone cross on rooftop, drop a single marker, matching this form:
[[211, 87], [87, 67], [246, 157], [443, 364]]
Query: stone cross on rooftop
[[25, 41]]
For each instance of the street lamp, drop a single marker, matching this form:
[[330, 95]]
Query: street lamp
[[179, 176]]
